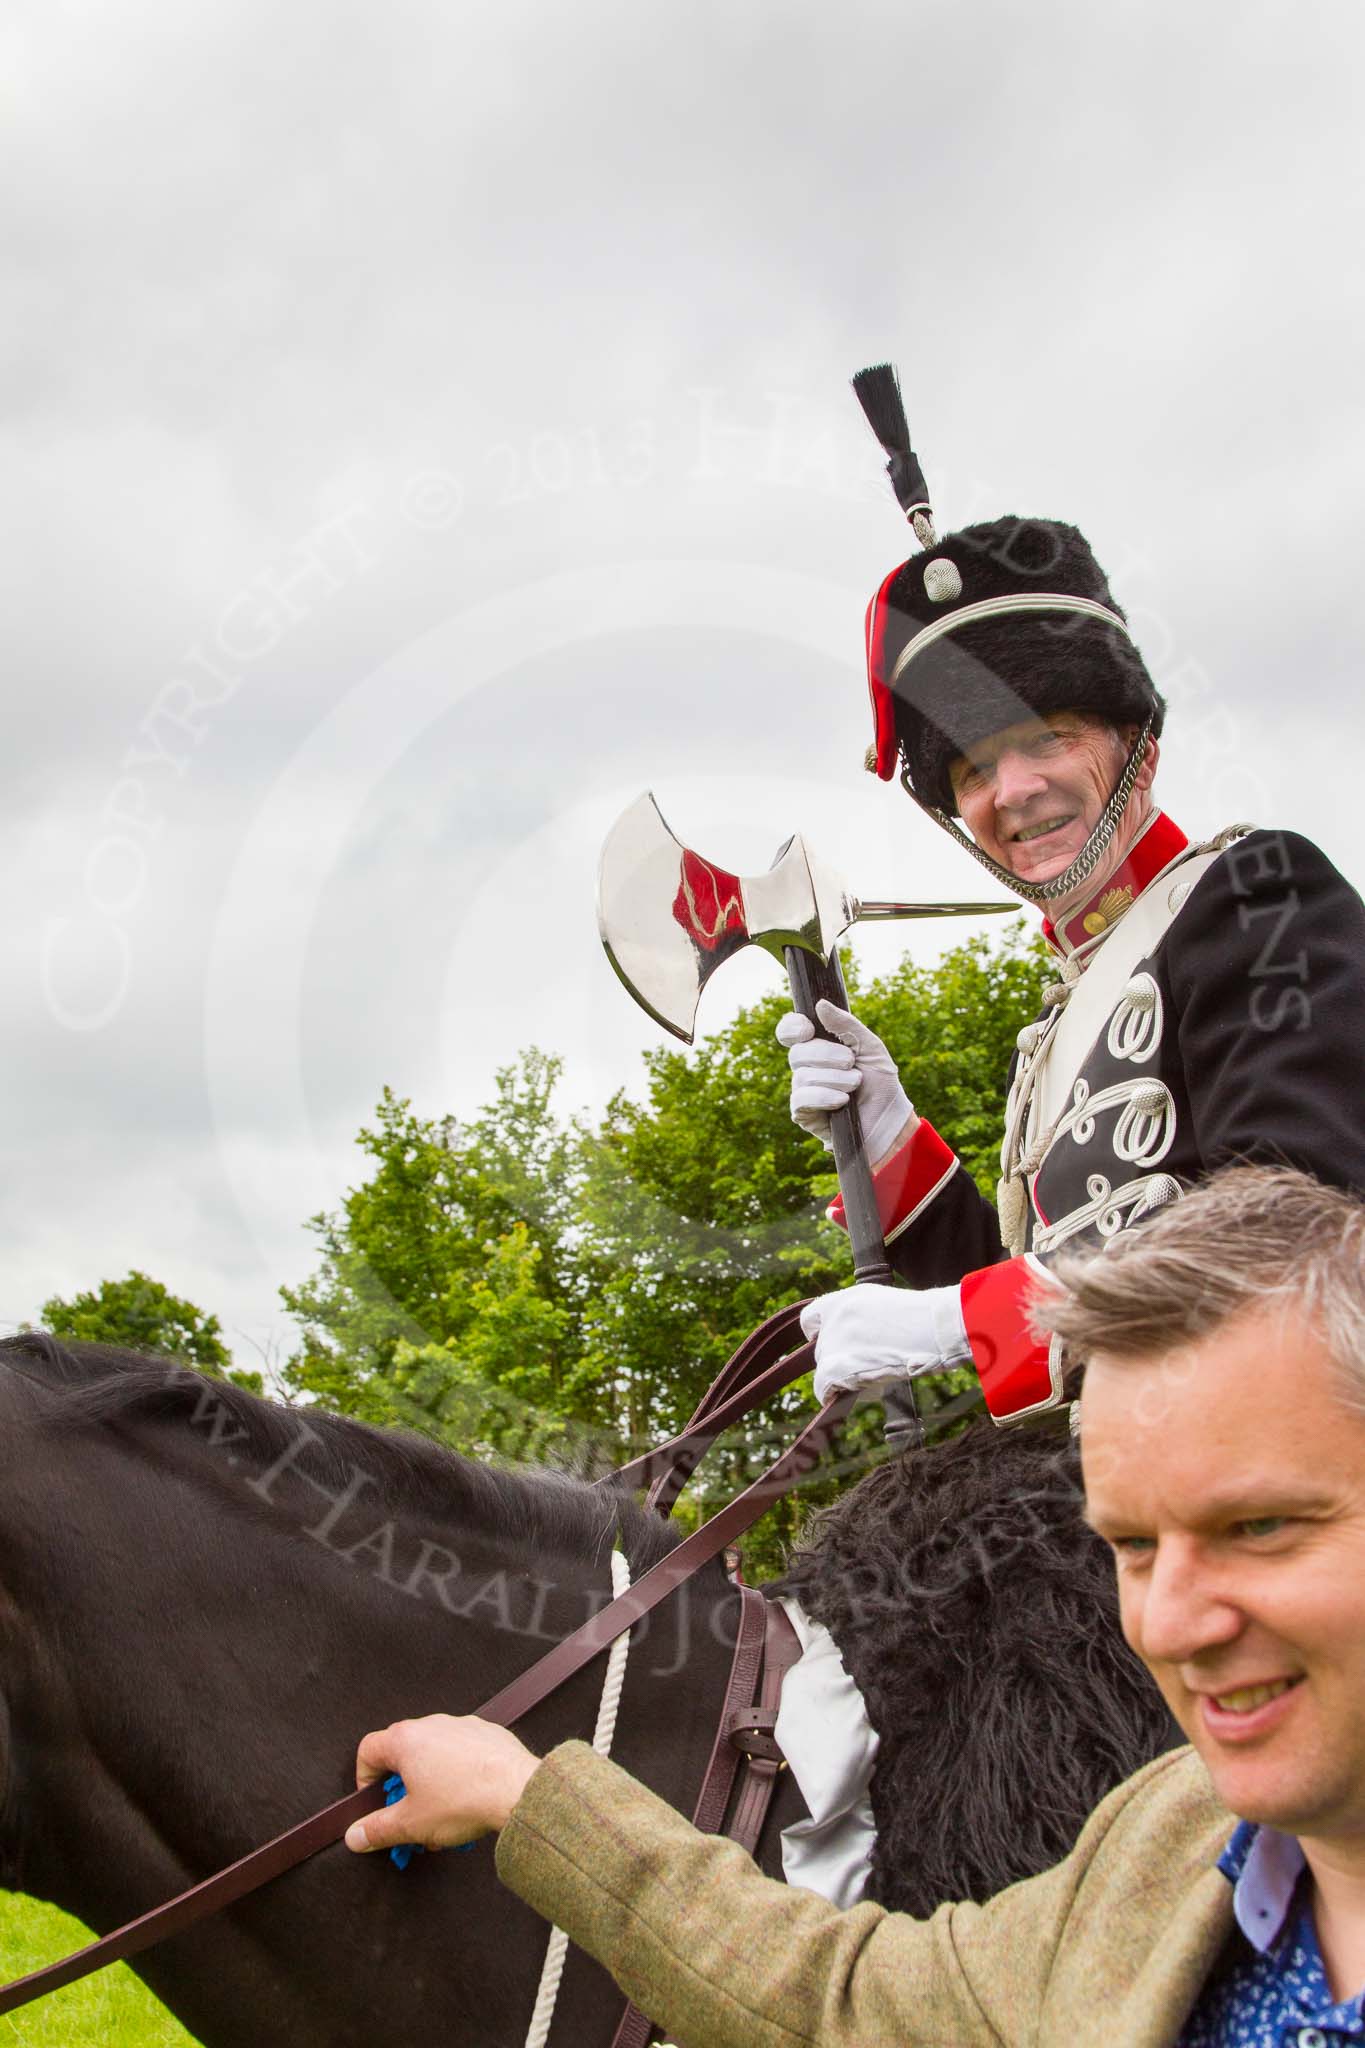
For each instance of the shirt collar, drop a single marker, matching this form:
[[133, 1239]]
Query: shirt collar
[[1264, 1866], [1155, 847]]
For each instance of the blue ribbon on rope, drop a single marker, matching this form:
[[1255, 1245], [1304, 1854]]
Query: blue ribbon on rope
[[394, 1790]]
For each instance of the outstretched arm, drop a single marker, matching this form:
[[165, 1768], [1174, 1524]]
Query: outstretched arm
[[714, 1951], [691, 1930]]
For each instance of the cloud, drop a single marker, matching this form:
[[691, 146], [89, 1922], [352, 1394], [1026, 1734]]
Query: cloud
[[352, 356]]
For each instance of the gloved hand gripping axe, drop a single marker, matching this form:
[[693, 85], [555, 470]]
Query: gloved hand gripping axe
[[669, 919]]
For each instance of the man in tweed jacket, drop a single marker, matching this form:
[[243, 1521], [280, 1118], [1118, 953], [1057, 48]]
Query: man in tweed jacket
[[1240, 1553]]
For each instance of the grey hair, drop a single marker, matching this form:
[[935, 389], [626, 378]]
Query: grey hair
[[1250, 1237]]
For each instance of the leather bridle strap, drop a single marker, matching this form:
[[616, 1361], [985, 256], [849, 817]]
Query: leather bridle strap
[[694, 1551], [223, 1889], [746, 1666], [761, 1367], [532, 1686], [754, 1669], [757, 1725]]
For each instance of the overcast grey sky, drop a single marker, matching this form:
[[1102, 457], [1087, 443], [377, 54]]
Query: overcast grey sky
[[426, 427]]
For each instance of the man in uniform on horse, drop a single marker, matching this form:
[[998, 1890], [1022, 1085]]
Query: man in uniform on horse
[[1207, 1007], [1216, 1896], [1209, 996]]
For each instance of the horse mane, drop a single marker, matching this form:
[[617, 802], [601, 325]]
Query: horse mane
[[553, 1510]]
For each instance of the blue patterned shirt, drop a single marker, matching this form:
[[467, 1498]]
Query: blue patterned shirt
[[1275, 1993]]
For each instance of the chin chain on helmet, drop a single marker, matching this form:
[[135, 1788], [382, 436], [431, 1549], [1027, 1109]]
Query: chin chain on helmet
[[1086, 861]]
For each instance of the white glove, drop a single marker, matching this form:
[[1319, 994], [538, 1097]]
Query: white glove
[[867, 1335], [825, 1074]]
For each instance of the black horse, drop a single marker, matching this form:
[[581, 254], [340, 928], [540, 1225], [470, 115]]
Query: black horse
[[205, 1599]]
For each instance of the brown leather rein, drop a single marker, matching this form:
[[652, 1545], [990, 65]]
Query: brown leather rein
[[759, 1369]]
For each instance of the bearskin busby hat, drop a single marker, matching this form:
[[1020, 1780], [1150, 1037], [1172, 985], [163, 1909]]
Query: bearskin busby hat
[[994, 624]]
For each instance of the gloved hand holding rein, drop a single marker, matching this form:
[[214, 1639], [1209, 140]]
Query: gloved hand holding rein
[[869, 1336]]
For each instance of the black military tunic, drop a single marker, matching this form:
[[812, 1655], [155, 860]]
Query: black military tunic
[[1209, 1009]]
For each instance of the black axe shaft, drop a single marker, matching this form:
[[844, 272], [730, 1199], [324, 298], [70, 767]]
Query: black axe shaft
[[811, 979]]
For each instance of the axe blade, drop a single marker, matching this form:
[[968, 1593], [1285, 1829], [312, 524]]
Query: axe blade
[[669, 918]]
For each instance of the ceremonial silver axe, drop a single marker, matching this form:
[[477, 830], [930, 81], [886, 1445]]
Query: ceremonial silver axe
[[669, 918]]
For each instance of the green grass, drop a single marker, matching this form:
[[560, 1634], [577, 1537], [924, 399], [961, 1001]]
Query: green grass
[[109, 2010]]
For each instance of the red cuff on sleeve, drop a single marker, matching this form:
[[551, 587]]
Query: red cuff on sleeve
[[1018, 1373], [907, 1181]]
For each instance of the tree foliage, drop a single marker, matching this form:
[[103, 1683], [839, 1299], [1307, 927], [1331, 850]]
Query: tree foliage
[[141, 1314], [452, 1273], [522, 1285]]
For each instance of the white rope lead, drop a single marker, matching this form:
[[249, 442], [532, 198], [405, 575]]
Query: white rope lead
[[539, 2032]]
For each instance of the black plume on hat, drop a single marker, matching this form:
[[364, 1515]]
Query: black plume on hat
[[878, 392]]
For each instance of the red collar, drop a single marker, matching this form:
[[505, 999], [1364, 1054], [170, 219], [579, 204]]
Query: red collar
[[1155, 849]]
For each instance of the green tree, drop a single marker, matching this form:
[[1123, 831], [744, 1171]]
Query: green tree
[[704, 1204], [522, 1286], [142, 1315], [448, 1295]]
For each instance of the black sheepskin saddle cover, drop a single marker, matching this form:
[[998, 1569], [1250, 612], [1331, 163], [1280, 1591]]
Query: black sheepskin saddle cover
[[977, 1613]]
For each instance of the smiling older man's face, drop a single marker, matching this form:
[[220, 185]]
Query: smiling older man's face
[[1031, 795], [1229, 1479]]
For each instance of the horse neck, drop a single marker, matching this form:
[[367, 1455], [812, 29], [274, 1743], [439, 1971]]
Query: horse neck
[[208, 1629], [212, 1629]]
